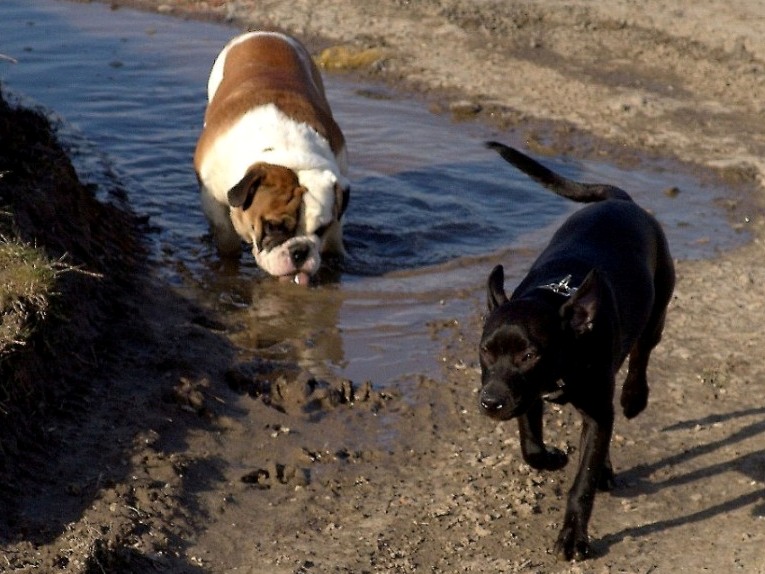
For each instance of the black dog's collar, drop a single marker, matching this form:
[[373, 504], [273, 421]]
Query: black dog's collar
[[558, 395], [561, 287]]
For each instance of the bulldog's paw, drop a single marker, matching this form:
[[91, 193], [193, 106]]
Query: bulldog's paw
[[550, 458], [572, 544]]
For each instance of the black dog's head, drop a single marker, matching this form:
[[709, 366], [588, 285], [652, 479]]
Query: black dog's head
[[527, 340]]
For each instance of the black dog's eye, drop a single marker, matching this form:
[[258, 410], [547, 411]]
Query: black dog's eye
[[486, 354], [526, 359]]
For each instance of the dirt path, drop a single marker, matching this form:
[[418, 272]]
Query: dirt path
[[345, 479]]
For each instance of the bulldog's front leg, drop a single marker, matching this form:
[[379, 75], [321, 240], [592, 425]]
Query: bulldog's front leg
[[573, 541], [533, 448]]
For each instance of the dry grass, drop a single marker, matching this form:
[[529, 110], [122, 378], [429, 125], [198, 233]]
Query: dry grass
[[27, 283]]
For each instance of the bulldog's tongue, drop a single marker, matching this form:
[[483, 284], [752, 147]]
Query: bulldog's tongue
[[300, 278]]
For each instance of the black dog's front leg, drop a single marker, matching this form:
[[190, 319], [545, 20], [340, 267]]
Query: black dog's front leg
[[533, 448], [573, 541]]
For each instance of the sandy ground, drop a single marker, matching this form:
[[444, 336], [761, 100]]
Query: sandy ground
[[345, 479]]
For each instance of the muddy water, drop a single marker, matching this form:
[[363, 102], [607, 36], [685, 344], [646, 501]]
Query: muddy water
[[431, 211]]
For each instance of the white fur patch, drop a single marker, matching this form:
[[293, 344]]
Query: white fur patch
[[277, 261], [268, 135]]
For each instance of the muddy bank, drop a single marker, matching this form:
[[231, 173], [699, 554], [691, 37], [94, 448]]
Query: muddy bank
[[92, 251]]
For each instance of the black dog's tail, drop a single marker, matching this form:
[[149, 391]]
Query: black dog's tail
[[581, 192]]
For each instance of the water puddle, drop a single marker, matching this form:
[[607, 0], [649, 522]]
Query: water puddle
[[431, 210]]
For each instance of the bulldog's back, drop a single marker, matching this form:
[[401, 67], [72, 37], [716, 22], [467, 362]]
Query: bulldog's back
[[262, 68]]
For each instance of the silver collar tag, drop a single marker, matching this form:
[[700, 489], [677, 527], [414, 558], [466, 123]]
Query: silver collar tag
[[561, 287]]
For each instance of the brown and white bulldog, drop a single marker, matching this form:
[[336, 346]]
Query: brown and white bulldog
[[271, 161]]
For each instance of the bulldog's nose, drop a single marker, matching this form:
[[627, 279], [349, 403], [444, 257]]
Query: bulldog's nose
[[298, 254]]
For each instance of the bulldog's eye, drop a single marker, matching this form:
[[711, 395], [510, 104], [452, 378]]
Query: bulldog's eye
[[323, 229], [274, 233], [273, 227]]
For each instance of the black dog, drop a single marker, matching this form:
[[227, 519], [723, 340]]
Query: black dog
[[595, 295]]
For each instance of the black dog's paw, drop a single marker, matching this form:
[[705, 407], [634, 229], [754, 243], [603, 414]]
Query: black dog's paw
[[572, 545], [607, 480], [633, 404], [550, 458], [634, 397]]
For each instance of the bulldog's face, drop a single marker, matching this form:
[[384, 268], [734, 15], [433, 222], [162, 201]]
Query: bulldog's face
[[267, 210]]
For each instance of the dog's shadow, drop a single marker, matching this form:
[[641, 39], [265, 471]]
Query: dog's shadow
[[751, 464]]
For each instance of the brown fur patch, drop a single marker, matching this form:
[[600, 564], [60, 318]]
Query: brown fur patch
[[268, 203]]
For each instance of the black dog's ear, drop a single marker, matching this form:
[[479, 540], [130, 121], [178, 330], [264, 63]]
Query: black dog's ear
[[580, 311], [495, 288], [242, 193]]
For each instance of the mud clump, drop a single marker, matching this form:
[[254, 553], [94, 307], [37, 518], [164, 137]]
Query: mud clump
[[289, 389], [275, 473]]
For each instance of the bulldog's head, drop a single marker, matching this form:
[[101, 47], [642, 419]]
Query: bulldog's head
[[268, 210]]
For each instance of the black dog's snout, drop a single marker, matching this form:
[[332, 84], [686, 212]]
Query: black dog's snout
[[299, 253], [492, 404]]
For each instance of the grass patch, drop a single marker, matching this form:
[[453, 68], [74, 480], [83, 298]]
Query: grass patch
[[27, 283]]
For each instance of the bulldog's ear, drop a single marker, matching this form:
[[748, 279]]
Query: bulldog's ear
[[242, 193], [495, 288], [581, 310], [342, 197]]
